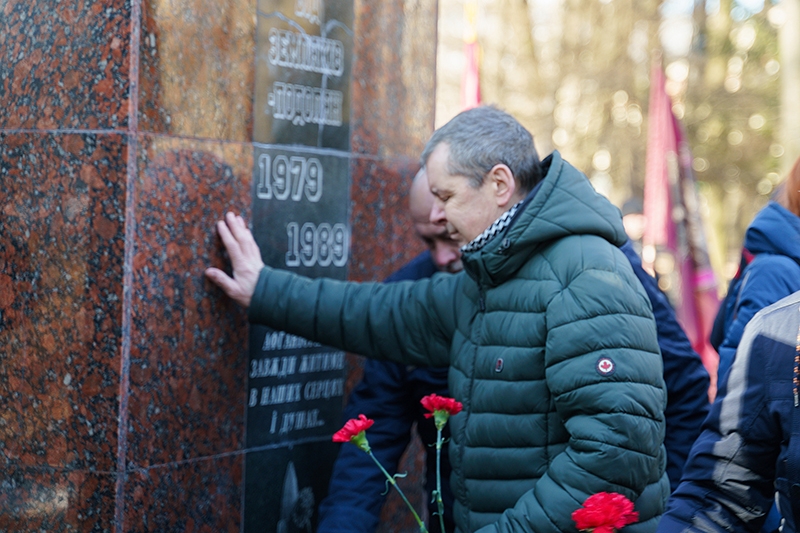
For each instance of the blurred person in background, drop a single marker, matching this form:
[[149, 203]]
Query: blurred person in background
[[748, 455], [634, 221], [769, 269]]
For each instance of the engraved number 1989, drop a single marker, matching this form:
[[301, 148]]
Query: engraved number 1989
[[322, 245]]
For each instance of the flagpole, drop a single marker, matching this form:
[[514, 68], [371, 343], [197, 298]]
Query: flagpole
[[673, 245]]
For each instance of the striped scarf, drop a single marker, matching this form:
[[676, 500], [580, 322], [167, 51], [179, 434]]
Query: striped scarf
[[489, 233]]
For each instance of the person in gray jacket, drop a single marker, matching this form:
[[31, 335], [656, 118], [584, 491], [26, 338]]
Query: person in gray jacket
[[549, 336]]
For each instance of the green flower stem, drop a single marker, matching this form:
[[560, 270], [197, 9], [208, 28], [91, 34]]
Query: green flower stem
[[389, 477], [439, 501]]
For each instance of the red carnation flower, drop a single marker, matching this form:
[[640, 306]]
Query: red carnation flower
[[440, 408], [605, 512], [353, 431], [434, 402]]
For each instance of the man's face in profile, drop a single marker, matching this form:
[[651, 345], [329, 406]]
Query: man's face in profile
[[464, 210]]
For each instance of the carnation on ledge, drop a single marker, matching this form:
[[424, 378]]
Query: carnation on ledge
[[440, 408], [605, 512]]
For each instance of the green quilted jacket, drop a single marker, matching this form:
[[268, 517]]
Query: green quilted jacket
[[552, 349]]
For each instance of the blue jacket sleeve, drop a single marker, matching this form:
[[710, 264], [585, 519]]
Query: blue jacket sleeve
[[684, 374], [727, 483], [357, 488], [768, 279]]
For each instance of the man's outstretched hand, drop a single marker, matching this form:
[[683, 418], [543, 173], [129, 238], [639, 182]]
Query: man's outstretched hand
[[245, 259]]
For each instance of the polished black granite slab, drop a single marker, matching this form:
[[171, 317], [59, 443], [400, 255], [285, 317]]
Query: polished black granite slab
[[304, 58]]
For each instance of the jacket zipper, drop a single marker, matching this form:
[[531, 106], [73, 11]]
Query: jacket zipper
[[476, 341]]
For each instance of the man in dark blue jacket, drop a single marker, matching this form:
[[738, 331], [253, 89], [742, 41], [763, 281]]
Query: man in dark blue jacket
[[684, 374], [389, 393], [749, 449]]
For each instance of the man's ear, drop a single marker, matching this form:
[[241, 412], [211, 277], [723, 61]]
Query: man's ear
[[504, 185]]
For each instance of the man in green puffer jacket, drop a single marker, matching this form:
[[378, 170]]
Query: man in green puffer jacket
[[549, 336]]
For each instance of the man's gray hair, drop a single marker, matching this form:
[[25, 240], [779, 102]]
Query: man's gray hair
[[482, 137]]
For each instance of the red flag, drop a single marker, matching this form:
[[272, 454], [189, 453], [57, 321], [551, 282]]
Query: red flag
[[470, 80], [674, 244]]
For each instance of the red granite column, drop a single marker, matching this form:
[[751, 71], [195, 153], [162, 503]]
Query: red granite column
[[64, 183], [185, 416], [125, 132]]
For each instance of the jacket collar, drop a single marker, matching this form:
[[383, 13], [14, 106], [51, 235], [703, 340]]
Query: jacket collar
[[489, 233], [563, 204]]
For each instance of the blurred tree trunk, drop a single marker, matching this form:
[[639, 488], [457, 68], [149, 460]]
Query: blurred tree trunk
[[592, 61], [732, 117], [789, 41]]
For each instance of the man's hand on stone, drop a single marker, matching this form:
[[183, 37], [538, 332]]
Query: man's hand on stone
[[245, 259]]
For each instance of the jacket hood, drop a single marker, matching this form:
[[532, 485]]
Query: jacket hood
[[774, 230], [564, 204]]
